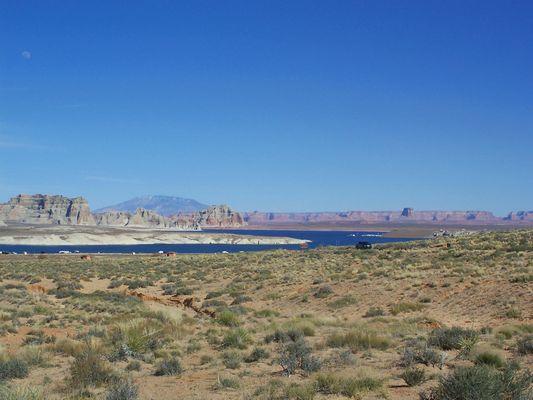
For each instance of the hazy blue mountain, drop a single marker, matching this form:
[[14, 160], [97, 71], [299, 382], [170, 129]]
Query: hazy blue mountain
[[164, 205]]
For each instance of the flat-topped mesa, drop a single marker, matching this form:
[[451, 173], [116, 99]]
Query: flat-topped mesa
[[405, 216], [47, 209]]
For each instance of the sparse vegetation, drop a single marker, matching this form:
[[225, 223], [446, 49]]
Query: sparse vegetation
[[122, 390], [170, 366], [339, 321], [413, 376], [451, 338], [483, 382], [346, 386]]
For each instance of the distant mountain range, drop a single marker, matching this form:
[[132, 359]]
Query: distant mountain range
[[163, 205]]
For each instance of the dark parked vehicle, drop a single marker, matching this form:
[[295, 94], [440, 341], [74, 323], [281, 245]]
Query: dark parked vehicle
[[363, 245]]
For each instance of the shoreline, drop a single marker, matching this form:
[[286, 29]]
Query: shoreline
[[90, 236]]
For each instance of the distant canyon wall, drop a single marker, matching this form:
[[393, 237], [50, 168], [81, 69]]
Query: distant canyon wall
[[61, 210], [407, 216]]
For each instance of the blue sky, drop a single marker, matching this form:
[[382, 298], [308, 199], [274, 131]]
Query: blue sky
[[270, 105]]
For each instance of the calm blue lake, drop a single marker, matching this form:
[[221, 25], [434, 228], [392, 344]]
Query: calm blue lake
[[317, 238]]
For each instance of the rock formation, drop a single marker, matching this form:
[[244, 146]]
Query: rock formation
[[526, 216], [46, 209], [142, 218], [221, 216], [59, 210]]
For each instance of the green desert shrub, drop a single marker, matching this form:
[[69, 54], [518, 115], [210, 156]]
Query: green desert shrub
[[89, 369], [34, 355], [413, 376], [359, 340], [294, 391], [418, 352], [513, 313], [451, 338], [19, 393], [226, 382], [238, 338], [333, 384], [404, 307], [481, 382], [281, 336], [374, 312], [13, 368], [524, 345], [122, 390], [169, 366], [241, 298], [257, 354], [228, 318], [231, 359], [491, 359], [136, 336], [68, 347], [266, 313], [323, 291], [296, 355]]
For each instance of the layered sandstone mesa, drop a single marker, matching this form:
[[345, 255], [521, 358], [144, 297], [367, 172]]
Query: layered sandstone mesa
[[405, 216], [113, 218], [219, 216], [147, 218], [143, 219], [47, 209]]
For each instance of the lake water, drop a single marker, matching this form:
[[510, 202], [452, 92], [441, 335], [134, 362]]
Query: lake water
[[317, 238]]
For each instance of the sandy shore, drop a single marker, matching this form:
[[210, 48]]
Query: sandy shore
[[58, 236]]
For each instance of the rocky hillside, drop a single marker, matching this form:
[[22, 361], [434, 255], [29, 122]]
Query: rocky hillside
[[163, 205], [405, 216], [59, 210]]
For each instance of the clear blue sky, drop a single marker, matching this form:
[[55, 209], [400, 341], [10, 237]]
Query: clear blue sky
[[270, 105]]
